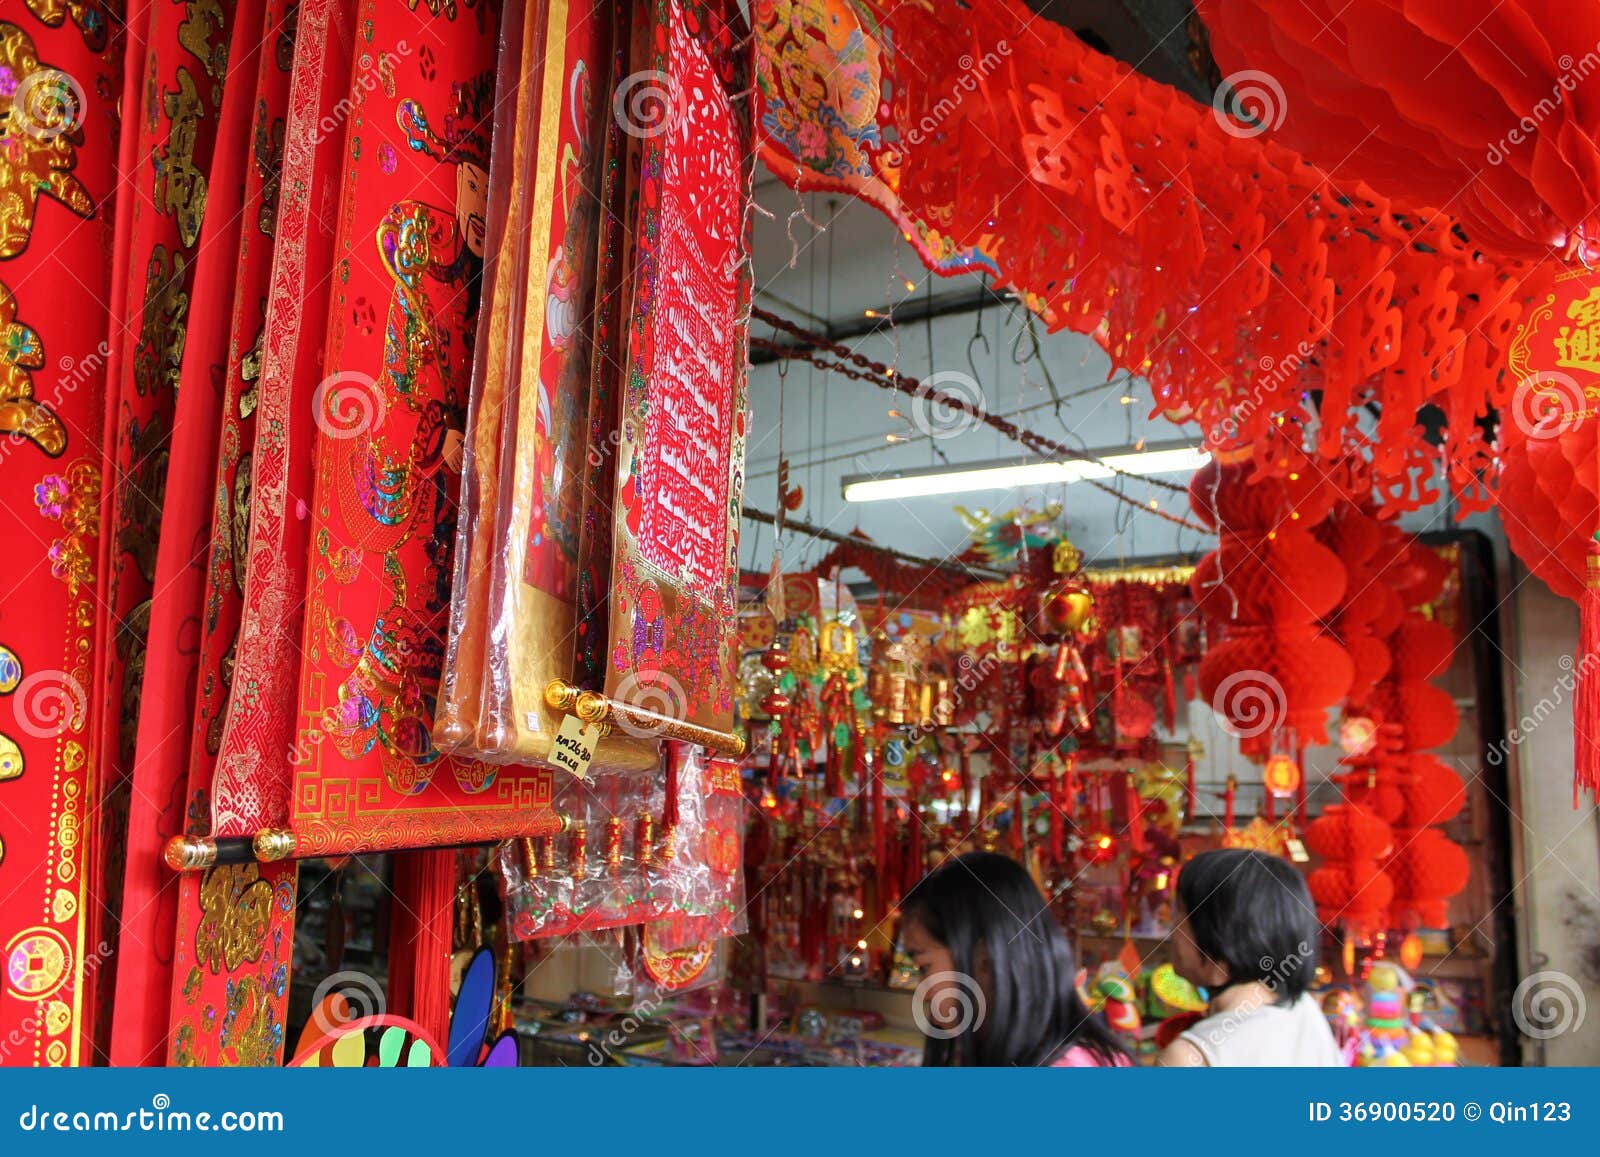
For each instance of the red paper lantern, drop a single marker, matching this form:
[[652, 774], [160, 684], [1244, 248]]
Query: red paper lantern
[[1348, 832], [1428, 714], [1434, 795], [1281, 776], [1413, 99], [1428, 869], [1421, 648], [1355, 894]]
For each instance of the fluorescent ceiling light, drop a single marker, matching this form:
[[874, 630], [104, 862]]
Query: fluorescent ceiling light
[[1008, 475]]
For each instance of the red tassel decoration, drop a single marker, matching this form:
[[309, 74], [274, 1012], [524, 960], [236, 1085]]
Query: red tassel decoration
[[1586, 699], [1190, 801], [419, 938], [875, 771]]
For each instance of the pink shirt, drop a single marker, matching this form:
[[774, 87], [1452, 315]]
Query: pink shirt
[[1078, 1057]]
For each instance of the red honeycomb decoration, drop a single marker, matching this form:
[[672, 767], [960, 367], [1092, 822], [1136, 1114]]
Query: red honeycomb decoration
[[1267, 585]]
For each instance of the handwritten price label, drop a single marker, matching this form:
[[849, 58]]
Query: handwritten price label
[[573, 747]]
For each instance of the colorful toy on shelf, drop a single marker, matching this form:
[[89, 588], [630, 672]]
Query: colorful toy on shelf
[[1388, 1018], [1169, 994], [1114, 995], [1344, 1012]]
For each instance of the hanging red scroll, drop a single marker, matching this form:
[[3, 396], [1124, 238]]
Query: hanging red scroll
[[679, 471], [58, 87], [528, 515], [402, 329], [256, 748]]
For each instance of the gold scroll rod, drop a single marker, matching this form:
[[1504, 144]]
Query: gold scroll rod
[[593, 708], [195, 853]]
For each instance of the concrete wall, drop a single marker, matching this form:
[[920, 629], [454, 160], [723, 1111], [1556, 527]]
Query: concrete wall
[[1556, 868]]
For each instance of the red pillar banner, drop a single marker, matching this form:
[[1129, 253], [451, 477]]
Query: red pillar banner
[[186, 552], [59, 84], [256, 749], [168, 137]]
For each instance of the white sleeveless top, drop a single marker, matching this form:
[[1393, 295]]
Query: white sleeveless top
[[1266, 1035]]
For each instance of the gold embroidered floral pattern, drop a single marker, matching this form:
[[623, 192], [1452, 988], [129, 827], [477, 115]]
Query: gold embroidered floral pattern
[[88, 15], [235, 907], [73, 500], [21, 352], [37, 107]]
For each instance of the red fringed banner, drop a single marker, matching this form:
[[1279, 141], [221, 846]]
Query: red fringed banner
[[1225, 270]]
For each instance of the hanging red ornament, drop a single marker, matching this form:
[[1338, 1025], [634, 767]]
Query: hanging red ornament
[[1281, 776]]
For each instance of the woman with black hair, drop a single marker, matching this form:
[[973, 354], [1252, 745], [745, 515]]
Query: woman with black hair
[[1247, 932], [998, 975]]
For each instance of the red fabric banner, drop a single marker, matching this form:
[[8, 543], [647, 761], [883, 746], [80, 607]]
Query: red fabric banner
[[675, 574], [161, 755], [250, 782], [165, 166], [58, 82], [391, 411]]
